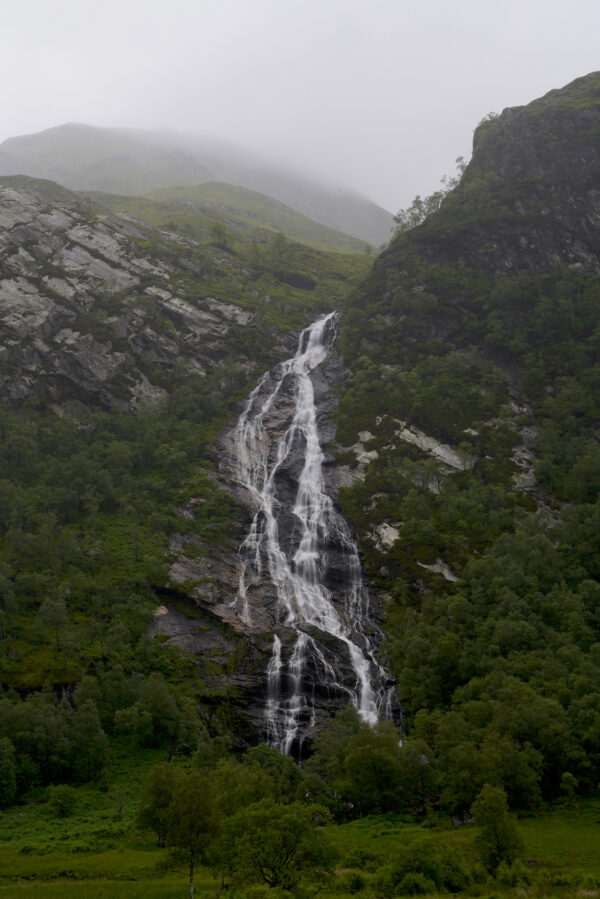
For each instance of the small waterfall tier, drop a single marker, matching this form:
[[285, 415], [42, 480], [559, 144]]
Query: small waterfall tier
[[300, 551]]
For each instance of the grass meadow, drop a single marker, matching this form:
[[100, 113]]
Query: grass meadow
[[96, 852]]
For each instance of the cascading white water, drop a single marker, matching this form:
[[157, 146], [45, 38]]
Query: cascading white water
[[297, 564]]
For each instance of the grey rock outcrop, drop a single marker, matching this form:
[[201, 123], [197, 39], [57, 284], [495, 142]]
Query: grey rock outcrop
[[84, 312]]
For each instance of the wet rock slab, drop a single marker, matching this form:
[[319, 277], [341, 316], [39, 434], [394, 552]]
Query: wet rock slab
[[60, 268]]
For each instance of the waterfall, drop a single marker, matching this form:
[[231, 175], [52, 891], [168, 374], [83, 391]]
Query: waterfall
[[295, 543]]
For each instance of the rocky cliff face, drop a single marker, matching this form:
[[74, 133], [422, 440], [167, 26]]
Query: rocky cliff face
[[91, 308], [530, 197]]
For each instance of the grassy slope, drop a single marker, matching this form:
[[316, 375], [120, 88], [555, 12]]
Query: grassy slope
[[86, 157], [238, 208], [41, 187], [133, 162]]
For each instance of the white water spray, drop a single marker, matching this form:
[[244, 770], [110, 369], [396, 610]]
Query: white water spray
[[297, 567]]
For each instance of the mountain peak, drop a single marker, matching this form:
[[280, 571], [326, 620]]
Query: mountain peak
[[529, 198]]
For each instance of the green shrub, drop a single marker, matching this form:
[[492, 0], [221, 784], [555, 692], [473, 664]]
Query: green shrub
[[351, 882], [361, 859], [441, 867], [513, 875], [456, 875], [384, 883], [62, 800], [261, 891], [414, 884]]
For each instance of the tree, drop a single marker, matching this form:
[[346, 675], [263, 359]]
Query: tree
[[62, 800], [8, 772], [372, 770], [331, 744], [256, 259], [154, 717], [53, 616], [192, 819], [156, 799], [420, 209], [568, 790], [418, 775], [488, 118], [220, 236], [8, 602], [276, 845], [281, 253], [463, 777], [211, 750], [285, 774], [499, 839], [238, 785], [90, 743]]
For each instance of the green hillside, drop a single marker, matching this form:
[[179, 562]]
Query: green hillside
[[475, 376], [253, 209], [83, 157], [122, 161], [467, 460], [237, 207]]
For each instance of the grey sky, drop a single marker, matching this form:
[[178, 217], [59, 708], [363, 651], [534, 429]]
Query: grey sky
[[379, 95]]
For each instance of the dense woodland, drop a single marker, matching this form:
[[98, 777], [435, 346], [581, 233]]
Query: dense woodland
[[497, 667]]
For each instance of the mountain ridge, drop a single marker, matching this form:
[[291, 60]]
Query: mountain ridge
[[115, 160], [529, 197]]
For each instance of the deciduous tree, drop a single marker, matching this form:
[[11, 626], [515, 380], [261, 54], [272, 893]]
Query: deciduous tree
[[156, 799], [499, 839], [193, 820]]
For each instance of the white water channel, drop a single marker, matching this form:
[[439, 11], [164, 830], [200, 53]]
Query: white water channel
[[297, 562]]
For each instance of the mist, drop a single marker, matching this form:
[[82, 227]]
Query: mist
[[378, 96]]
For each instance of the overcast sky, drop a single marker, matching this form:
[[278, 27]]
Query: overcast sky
[[379, 95]]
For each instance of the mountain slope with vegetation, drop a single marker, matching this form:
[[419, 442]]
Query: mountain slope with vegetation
[[124, 352], [121, 161], [467, 463], [475, 392], [251, 209]]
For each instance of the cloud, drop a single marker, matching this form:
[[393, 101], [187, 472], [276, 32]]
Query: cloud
[[381, 95]]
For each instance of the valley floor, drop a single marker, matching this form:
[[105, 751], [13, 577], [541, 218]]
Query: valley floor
[[561, 854]]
